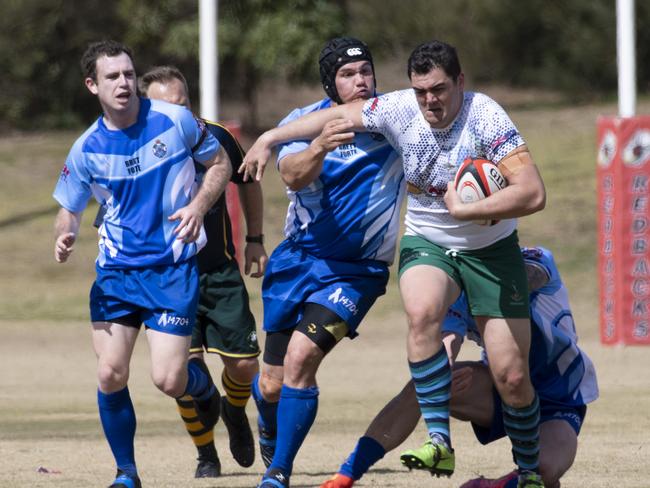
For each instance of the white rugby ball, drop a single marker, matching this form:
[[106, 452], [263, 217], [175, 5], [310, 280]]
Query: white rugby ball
[[477, 179]]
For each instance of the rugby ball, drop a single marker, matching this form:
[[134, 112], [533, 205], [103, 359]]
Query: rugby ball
[[477, 179]]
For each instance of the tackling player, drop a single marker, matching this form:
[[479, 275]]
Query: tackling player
[[137, 159], [561, 372], [345, 192], [435, 125]]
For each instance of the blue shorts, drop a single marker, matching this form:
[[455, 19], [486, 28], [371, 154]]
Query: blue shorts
[[294, 277], [574, 415], [165, 297]]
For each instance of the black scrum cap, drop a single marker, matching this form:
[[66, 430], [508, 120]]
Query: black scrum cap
[[336, 53]]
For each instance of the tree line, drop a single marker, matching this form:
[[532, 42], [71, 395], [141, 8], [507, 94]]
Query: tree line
[[559, 45]]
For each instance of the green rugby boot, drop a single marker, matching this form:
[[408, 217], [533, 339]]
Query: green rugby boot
[[438, 459], [529, 479]]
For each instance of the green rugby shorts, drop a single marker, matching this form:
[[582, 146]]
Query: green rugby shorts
[[493, 278], [224, 322]]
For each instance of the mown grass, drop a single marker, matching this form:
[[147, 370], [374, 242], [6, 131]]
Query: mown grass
[[47, 403]]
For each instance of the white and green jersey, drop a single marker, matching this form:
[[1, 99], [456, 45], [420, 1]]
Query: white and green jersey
[[431, 158]]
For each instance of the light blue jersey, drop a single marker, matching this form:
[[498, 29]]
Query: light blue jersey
[[142, 174], [559, 370], [352, 210]]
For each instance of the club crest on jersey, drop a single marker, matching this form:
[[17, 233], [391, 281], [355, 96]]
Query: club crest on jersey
[[159, 148], [65, 172]]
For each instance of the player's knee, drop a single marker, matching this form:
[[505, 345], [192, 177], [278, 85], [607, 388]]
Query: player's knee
[[301, 363], [243, 370], [111, 377], [514, 386], [421, 319], [171, 383], [270, 387]]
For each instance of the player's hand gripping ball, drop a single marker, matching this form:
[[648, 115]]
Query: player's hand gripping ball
[[477, 179]]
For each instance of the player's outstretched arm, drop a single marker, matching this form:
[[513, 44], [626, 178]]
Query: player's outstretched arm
[[306, 127], [66, 227], [301, 169], [250, 196], [213, 185], [524, 195]]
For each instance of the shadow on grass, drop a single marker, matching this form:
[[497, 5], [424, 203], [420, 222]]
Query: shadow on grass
[[28, 216]]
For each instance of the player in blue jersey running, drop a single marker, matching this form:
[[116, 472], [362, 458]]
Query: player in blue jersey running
[[137, 159], [341, 230], [562, 373], [435, 126], [225, 324]]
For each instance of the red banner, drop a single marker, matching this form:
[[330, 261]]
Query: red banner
[[623, 177]]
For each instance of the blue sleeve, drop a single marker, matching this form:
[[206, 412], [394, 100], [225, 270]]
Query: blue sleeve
[[458, 319], [197, 137], [73, 188], [291, 147]]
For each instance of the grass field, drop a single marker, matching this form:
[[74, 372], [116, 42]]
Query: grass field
[[48, 414]]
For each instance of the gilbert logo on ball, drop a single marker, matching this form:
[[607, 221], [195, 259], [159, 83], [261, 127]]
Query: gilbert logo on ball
[[477, 179]]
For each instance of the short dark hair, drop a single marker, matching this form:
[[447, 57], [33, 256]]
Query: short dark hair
[[98, 49], [162, 74], [434, 54]]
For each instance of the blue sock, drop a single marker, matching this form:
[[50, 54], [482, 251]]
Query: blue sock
[[268, 411], [199, 385], [296, 414], [367, 452], [432, 380], [512, 483], [118, 420], [522, 427]]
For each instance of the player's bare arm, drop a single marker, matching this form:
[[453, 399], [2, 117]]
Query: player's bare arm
[[524, 195], [250, 196], [301, 169], [306, 127], [213, 185], [66, 227]]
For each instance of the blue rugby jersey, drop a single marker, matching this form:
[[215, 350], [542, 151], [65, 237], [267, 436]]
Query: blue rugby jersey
[[142, 174], [559, 370], [352, 210]]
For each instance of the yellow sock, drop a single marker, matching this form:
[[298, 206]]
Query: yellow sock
[[199, 434], [237, 393]]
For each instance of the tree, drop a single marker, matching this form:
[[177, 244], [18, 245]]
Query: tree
[[266, 38]]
